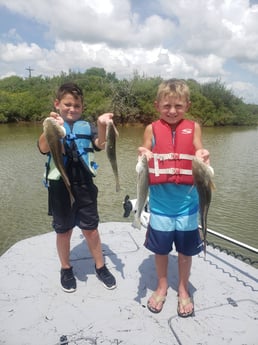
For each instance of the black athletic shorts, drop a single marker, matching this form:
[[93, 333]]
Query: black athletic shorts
[[83, 213]]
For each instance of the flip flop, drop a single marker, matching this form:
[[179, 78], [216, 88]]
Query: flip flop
[[158, 299], [184, 302]]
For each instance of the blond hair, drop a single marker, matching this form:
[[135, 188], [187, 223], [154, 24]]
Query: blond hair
[[173, 88]]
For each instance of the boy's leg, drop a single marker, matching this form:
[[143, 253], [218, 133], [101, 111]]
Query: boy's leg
[[184, 269], [156, 301], [93, 240], [63, 248], [68, 281]]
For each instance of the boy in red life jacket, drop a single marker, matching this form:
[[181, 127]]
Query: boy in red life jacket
[[170, 144]]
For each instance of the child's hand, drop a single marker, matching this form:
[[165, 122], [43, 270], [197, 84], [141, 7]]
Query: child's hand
[[57, 117], [104, 119], [204, 155], [144, 151]]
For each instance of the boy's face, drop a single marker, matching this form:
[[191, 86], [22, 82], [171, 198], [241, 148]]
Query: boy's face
[[69, 107], [172, 109]]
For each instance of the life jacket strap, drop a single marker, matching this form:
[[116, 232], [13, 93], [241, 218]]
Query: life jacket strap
[[72, 136], [83, 151], [170, 171], [172, 156]]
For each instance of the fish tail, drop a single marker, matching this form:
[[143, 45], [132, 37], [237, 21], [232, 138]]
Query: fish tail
[[71, 198], [68, 187], [136, 222], [118, 186]]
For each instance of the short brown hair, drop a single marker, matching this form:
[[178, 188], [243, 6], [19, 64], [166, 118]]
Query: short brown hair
[[69, 88]]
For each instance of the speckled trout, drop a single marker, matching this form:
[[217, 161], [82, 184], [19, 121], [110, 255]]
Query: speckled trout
[[203, 175], [111, 135], [54, 133], [142, 189]]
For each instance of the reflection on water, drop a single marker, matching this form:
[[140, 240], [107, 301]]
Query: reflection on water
[[23, 202]]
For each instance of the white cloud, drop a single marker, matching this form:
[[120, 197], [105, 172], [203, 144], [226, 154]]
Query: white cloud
[[186, 39], [247, 91], [20, 52]]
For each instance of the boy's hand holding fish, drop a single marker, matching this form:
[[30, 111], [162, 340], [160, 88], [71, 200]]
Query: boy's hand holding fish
[[102, 122], [144, 151], [57, 117], [203, 155], [104, 119]]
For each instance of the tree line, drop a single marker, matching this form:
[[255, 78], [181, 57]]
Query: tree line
[[131, 100]]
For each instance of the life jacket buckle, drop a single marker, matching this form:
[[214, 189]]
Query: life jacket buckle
[[71, 136], [174, 171]]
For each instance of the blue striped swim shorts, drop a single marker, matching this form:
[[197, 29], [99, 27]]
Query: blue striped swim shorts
[[182, 231]]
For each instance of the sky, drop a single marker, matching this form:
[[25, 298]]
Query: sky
[[204, 40]]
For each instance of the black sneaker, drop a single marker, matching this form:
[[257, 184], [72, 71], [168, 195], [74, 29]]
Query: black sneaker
[[106, 277], [68, 281]]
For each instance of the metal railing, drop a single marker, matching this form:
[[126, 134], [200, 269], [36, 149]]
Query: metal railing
[[232, 240]]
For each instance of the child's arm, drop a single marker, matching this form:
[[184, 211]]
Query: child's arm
[[200, 152], [42, 144], [147, 143]]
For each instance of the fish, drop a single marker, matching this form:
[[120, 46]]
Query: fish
[[54, 133], [203, 179], [111, 135], [142, 189]]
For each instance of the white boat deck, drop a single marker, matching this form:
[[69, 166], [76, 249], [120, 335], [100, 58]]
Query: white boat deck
[[34, 309]]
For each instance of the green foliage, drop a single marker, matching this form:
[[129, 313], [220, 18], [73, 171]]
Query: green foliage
[[131, 100]]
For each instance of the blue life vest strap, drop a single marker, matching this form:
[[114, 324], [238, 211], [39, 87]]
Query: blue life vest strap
[[72, 136], [83, 151]]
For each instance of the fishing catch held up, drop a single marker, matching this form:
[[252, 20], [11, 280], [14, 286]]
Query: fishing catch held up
[[54, 133], [203, 178], [142, 189], [111, 135]]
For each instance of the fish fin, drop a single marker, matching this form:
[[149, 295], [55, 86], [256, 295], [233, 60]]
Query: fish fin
[[111, 123], [115, 129], [213, 186], [72, 199]]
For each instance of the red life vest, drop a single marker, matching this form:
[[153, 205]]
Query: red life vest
[[173, 152]]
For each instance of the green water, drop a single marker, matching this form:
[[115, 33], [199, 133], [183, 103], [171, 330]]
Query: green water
[[23, 202]]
